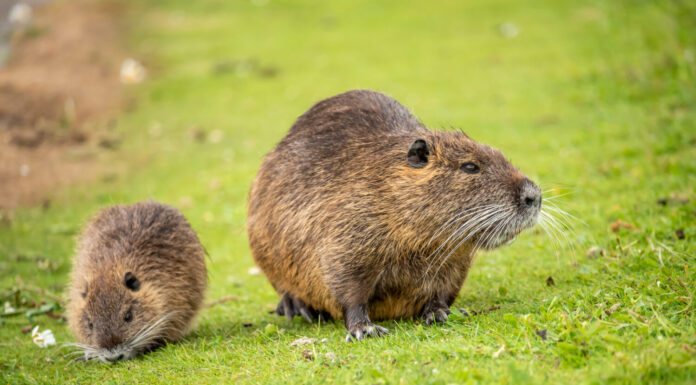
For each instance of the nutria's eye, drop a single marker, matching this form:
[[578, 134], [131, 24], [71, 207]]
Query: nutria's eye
[[470, 168], [89, 325], [128, 317], [131, 282]]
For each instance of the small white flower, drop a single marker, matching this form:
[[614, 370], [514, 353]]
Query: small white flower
[[132, 72], [689, 56], [44, 338], [24, 170], [155, 130], [302, 341], [20, 14], [508, 30], [254, 271], [9, 308], [216, 136], [330, 356]]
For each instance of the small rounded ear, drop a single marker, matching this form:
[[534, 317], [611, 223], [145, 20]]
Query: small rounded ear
[[131, 282], [418, 154]]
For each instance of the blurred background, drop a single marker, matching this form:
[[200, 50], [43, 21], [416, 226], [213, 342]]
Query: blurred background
[[116, 101], [81, 78]]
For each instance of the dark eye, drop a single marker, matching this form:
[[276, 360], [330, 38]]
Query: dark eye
[[131, 282], [128, 317], [470, 168], [89, 325]]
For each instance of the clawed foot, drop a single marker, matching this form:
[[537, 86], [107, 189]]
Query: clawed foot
[[435, 313], [290, 306], [364, 330]]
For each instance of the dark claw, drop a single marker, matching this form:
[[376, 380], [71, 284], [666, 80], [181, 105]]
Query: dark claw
[[359, 333], [435, 313], [287, 307], [324, 317], [279, 309], [306, 315], [302, 309], [290, 306]]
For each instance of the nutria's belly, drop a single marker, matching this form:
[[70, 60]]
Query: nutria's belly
[[396, 306], [390, 306], [401, 292]]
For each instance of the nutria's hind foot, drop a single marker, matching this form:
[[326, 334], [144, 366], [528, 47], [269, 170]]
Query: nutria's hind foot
[[359, 325], [290, 306], [435, 312]]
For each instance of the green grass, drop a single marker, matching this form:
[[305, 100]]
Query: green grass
[[596, 98]]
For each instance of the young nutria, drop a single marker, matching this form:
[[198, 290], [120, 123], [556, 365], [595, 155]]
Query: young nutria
[[361, 212], [138, 280]]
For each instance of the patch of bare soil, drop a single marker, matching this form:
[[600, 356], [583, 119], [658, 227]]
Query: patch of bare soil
[[60, 84]]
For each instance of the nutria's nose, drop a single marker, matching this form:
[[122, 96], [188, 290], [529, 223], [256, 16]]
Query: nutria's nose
[[530, 195]]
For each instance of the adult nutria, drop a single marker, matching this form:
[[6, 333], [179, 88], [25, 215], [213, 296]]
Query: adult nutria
[[138, 280], [363, 213]]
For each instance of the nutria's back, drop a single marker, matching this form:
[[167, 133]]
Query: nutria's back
[[137, 268], [351, 210]]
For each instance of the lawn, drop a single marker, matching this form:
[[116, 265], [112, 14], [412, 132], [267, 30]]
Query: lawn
[[594, 100]]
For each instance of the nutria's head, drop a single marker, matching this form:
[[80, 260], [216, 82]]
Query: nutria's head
[[471, 193], [117, 316]]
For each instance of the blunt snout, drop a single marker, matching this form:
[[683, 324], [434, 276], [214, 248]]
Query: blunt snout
[[530, 194], [108, 339]]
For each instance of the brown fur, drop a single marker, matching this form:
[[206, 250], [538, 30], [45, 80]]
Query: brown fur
[[154, 243], [340, 221]]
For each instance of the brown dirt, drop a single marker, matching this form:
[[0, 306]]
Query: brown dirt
[[59, 86]]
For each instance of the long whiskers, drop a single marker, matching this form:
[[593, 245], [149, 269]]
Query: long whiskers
[[470, 223], [557, 223], [151, 333], [458, 217], [476, 214], [482, 226], [492, 225], [473, 218], [141, 340]]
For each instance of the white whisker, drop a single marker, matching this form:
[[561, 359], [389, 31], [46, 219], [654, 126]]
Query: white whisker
[[485, 223], [466, 226]]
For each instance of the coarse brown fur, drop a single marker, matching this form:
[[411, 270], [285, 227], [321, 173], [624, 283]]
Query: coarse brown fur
[[138, 280], [342, 220]]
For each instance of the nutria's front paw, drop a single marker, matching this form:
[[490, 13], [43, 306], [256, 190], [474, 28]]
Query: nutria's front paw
[[435, 314], [364, 330]]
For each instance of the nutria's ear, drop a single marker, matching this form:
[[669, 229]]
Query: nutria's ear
[[418, 154], [131, 282]]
